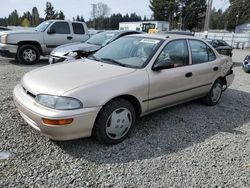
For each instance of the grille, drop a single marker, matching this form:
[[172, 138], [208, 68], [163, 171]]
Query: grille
[[29, 93]]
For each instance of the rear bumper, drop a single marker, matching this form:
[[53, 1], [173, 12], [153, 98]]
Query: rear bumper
[[8, 50], [32, 113], [230, 78]]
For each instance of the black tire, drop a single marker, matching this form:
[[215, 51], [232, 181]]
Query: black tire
[[28, 54], [209, 100], [104, 118]]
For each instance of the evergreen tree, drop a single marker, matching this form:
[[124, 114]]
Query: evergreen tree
[[13, 18], [35, 17], [50, 13]]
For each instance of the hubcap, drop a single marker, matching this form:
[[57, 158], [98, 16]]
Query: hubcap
[[29, 55], [216, 92], [118, 123]]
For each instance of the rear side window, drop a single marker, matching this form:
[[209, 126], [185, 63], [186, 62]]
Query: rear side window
[[201, 52], [61, 28], [78, 28]]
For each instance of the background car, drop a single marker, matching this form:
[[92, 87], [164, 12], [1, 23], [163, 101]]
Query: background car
[[93, 32], [221, 46], [246, 64], [79, 50]]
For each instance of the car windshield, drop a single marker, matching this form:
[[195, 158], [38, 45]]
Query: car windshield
[[128, 51], [43, 26], [101, 39]]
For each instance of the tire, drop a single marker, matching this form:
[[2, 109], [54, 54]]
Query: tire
[[28, 54], [214, 95], [108, 132]]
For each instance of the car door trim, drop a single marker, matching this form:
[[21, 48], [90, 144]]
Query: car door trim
[[169, 94]]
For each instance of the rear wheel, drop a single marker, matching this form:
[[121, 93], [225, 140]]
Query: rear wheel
[[28, 54], [115, 122], [214, 94]]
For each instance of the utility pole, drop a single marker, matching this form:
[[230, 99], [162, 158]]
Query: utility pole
[[208, 14], [94, 13]]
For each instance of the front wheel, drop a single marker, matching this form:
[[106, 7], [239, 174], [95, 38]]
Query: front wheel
[[214, 94], [115, 122], [28, 54]]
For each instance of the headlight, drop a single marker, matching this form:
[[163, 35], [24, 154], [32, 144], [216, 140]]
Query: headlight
[[4, 39], [72, 54], [58, 102]]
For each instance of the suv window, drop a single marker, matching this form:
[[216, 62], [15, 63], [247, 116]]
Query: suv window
[[201, 52], [78, 28], [61, 28], [175, 53]]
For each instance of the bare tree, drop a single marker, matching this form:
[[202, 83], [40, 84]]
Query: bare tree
[[100, 10]]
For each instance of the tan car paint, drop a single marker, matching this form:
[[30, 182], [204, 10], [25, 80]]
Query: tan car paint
[[96, 83]]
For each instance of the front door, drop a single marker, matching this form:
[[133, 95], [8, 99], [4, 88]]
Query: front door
[[172, 84], [59, 34]]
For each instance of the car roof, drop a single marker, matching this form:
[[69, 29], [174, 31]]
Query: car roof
[[164, 36]]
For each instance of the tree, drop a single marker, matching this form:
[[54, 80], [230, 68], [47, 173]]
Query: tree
[[13, 18], [35, 17], [237, 13], [25, 22], [100, 10], [3, 22], [50, 13], [217, 19], [187, 13], [61, 15]]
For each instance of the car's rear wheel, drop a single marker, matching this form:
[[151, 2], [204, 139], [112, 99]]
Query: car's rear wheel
[[214, 95], [114, 122], [28, 54]]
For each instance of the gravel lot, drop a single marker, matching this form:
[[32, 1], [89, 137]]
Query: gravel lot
[[190, 145]]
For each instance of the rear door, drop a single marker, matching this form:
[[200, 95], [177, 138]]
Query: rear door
[[79, 32], [61, 35], [205, 65]]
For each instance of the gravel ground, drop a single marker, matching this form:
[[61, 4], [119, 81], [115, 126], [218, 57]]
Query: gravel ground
[[190, 145]]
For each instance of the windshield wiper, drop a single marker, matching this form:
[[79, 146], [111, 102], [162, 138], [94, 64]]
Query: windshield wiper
[[114, 61], [94, 58]]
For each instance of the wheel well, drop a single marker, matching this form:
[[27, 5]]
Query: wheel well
[[34, 43], [133, 100], [223, 80]]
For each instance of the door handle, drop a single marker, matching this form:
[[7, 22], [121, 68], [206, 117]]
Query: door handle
[[189, 74], [216, 68], [69, 37]]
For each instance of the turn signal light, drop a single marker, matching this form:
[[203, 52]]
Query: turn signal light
[[57, 121]]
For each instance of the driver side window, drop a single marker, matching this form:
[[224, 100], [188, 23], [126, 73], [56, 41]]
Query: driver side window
[[61, 28], [175, 54]]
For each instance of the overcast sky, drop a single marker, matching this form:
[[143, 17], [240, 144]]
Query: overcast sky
[[71, 8]]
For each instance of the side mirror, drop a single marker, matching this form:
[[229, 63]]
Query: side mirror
[[51, 31], [163, 64]]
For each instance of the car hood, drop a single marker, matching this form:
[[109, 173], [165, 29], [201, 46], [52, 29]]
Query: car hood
[[60, 78], [83, 47], [28, 31]]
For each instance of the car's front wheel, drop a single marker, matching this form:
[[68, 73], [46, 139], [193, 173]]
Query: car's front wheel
[[28, 54], [214, 95], [114, 122]]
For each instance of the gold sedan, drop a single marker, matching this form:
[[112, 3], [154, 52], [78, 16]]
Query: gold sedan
[[104, 94]]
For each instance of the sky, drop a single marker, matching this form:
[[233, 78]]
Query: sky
[[71, 8]]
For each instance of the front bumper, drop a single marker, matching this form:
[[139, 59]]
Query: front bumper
[[56, 59], [8, 50], [33, 113]]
